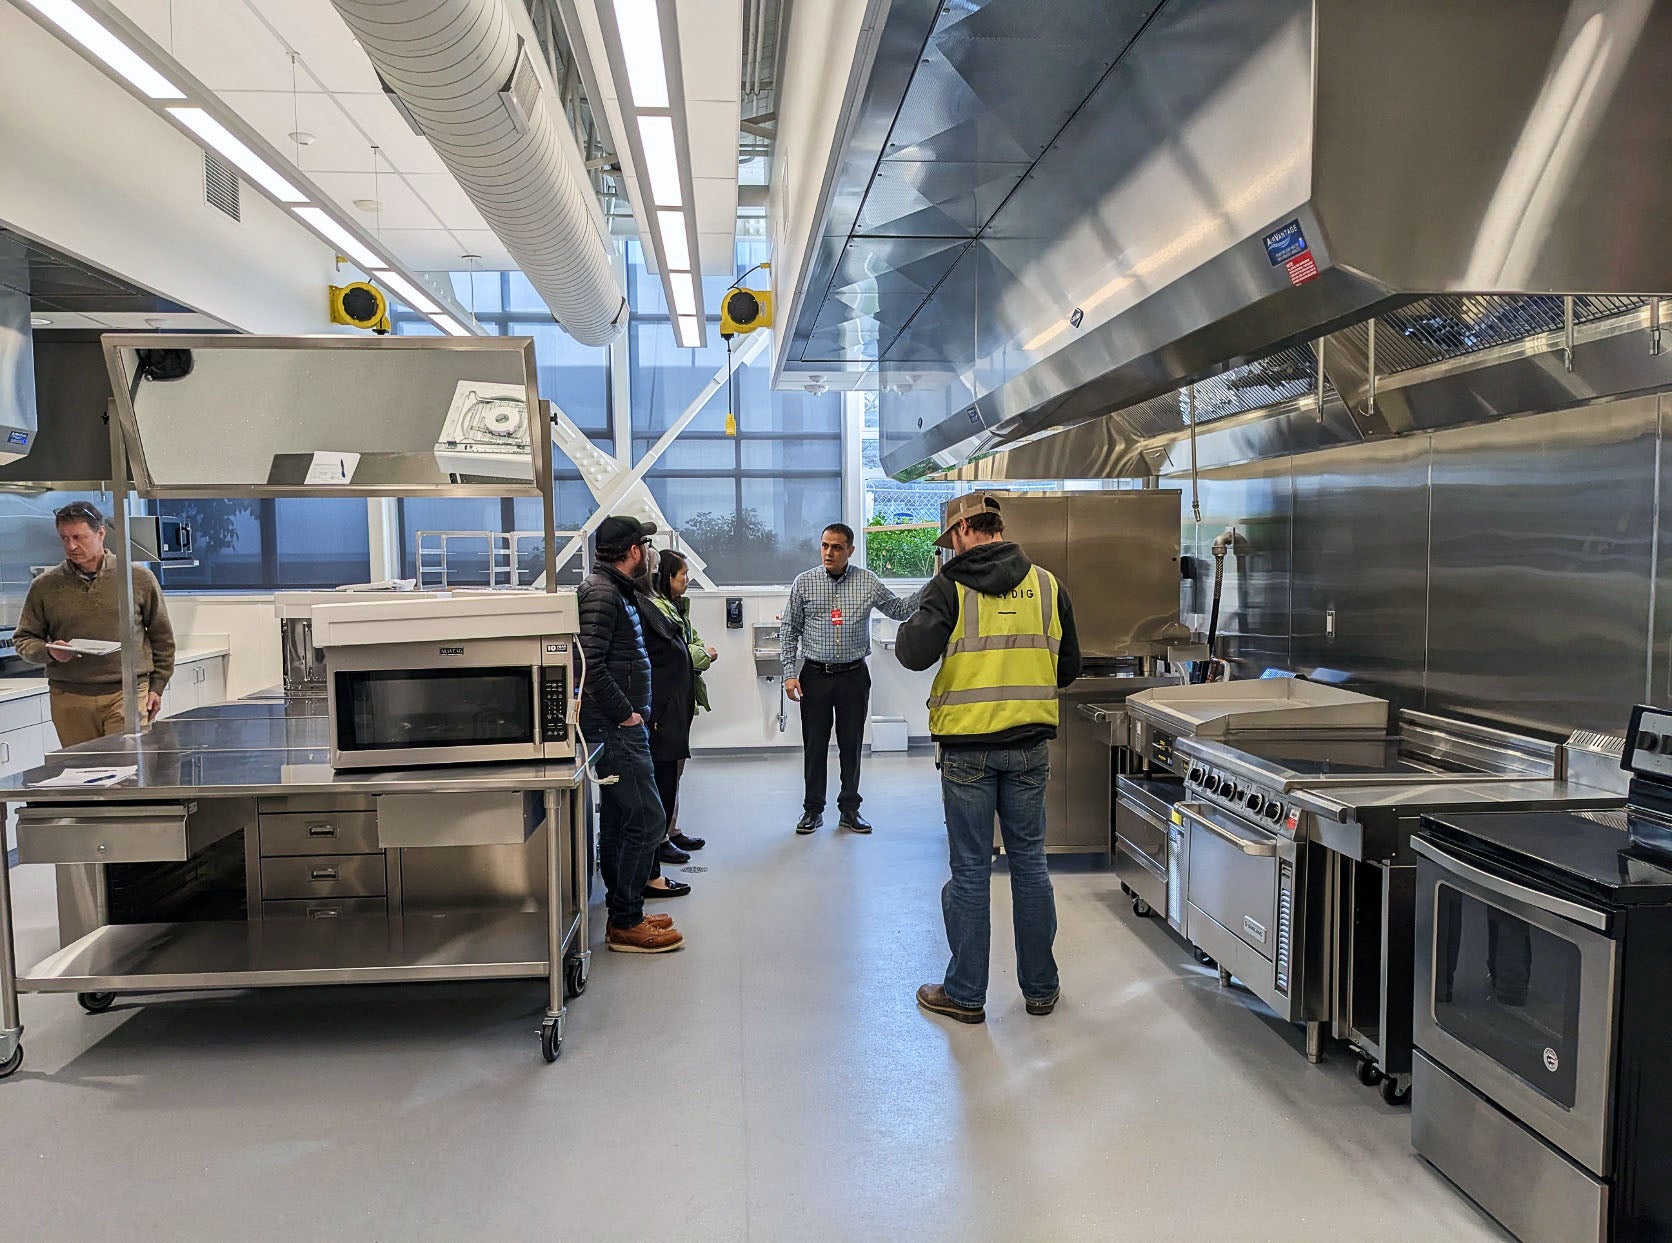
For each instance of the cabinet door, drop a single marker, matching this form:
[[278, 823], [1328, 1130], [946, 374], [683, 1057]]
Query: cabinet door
[[22, 749], [212, 685]]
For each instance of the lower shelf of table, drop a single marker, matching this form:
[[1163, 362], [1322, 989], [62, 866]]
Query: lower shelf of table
[[444, 945]]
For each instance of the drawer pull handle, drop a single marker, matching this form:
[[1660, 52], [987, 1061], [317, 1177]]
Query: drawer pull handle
[[323, 829], [324, 912], [324, 873]]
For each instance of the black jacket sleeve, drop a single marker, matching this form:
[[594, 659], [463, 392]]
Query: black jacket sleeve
[[924, 635], [1068, 654], [600, 614]]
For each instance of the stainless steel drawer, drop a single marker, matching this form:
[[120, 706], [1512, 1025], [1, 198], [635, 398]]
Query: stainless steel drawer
[[323, 876], [319, 833], [325, 908], [123, 832], [1233, 879], [1142, 835]]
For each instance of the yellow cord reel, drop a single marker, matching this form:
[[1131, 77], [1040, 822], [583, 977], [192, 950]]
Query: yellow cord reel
[[360, 306], [744, 311]]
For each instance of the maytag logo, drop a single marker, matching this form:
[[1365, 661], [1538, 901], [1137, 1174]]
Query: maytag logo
[[452, 651]]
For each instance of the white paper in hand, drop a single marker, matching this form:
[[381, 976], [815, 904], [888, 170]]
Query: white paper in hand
[[87, 647]]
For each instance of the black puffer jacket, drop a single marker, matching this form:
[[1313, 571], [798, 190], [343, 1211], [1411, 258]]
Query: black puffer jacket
[[612, 638]]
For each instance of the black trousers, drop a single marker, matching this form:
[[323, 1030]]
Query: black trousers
[[842, 699], [668, 773]]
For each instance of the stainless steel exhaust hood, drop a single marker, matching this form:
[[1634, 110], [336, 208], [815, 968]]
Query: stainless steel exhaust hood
[[1048, 210], [17, 362]]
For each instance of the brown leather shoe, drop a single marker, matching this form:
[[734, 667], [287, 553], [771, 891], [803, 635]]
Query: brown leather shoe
[[933, 998], [659, 921], [643, 938]]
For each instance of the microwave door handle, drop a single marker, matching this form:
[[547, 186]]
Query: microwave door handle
[[1493, 883], [1257, 849]]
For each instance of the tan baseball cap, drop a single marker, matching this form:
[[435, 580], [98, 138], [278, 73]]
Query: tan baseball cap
[[966, 507]]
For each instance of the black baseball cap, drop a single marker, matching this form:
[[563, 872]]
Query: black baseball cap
[[619, 532]]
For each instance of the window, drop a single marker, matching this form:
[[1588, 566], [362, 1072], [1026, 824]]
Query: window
[[262, 545], [902, 520]]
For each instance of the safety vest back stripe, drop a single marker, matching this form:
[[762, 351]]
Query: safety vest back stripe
[[992, 694]]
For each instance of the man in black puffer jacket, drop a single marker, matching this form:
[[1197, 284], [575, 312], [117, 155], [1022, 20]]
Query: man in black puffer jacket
[[615, 712]]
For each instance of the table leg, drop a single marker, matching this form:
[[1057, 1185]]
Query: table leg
[[557, 824], [11, 1022]]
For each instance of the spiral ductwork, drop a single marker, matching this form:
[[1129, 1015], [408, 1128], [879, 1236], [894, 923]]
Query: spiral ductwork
[[466, 81]]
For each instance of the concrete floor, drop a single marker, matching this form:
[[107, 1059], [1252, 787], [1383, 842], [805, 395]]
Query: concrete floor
[[773, 1081]]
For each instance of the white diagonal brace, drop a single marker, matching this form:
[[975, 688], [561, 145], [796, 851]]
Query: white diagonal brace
[[751, 349]]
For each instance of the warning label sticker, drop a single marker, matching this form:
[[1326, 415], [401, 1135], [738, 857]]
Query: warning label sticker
[[1302, 268], [1284, 244]]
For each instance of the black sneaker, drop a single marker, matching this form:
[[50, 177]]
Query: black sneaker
[[1044, 1005], [855, 823], [933, 998], [808, 822]]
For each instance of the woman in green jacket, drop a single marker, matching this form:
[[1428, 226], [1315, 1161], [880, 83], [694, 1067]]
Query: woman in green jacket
[[670, 737]]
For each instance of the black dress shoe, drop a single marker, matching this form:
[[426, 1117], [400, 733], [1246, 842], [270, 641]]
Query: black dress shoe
[[667, 852], [808, 822], [687, 843], [855, 823], [675, 889]]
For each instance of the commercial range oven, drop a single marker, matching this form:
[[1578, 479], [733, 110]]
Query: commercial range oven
[[1542, 1085]]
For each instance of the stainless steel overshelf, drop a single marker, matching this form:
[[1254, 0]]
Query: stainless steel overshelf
[[350, 949], [1363, 801]]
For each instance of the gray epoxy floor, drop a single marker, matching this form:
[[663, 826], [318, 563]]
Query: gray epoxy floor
[[773, 1081]]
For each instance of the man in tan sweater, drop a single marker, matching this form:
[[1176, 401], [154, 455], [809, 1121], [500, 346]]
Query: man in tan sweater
[[79, 600]]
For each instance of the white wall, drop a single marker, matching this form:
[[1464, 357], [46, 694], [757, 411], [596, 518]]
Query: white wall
[[87, 168]]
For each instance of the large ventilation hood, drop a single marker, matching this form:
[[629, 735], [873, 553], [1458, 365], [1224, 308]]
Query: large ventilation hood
[[17, 357], [1048, 210]]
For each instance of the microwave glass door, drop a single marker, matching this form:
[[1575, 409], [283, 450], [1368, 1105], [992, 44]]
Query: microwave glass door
[[394, 710], [1510, 990]]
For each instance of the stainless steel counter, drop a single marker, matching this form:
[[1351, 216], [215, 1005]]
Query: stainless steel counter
[[313, 847]]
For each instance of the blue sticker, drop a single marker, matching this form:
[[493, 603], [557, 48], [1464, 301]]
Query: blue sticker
[[975, 416], [1284, 244], [18, 438]]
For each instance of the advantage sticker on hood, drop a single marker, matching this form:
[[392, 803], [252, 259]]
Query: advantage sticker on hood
[[1284, 244], [18, 438]]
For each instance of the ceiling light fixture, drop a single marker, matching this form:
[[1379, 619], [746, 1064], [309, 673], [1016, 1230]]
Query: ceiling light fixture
[[640, 29], [39, 321], [228, 144], [407, 292], [684, 296], [689, 331], [661, 158], [451, 326], [332, 231], [73, 21], [676, 247]]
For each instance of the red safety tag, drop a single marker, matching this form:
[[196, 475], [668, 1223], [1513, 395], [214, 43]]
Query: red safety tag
[[836, 615]]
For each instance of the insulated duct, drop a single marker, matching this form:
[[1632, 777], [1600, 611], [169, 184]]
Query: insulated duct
[[469, 84]]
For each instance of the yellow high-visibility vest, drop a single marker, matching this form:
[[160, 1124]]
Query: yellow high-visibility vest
[[1000, 667]]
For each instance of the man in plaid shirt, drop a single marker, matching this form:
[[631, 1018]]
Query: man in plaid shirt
[[825, 637]]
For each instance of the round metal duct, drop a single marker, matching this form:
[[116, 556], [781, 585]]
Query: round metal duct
[[467, 83]]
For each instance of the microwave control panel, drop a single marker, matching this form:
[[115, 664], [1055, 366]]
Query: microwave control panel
[[554, 703]]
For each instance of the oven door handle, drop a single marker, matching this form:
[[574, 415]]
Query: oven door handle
[[1493, 883], [1265, 849]]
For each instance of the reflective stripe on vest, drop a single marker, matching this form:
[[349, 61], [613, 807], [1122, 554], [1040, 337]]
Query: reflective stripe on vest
[[1000, 666]]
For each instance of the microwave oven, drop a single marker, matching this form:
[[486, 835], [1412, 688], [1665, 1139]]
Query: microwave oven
[[417, 704]]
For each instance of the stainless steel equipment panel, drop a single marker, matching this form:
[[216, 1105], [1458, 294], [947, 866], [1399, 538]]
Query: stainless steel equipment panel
[[324, 876], [1233, 878], [142, 833], [1533, 1190]]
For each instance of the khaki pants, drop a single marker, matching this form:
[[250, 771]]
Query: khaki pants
[[80, 717]]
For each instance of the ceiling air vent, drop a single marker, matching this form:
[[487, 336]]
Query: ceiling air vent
[[220, 185]]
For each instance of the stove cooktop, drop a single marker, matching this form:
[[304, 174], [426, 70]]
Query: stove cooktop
[[1563, 850]]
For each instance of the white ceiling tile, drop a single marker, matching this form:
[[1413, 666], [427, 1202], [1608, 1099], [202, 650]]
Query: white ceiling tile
[[711, 48], [715, 251], [712, 129], [227, 47], [716, 201], [403, 149], [402, 209], [447, 199], [486, 243], [275, 115], [321, 38], [135, 321], [151, 16], [427, 250]]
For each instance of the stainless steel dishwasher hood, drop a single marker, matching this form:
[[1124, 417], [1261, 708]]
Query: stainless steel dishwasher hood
[[1047, 210]]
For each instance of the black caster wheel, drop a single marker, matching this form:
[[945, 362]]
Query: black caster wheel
[[1126, 889], [551, 1042], [574, 978], [9, 1067], [1393, 1094], [1368, 1075], [96, 1003], [1140, 908], [1202, 956]]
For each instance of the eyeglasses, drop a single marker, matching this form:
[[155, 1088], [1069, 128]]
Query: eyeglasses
[[79, 511]]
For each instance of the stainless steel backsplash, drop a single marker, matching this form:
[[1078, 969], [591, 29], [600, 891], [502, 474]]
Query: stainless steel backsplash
[[1517, 572]]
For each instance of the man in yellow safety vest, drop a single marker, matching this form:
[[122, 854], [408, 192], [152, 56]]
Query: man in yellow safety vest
[[1003, 631]]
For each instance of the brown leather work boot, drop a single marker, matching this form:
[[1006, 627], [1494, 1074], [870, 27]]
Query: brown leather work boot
[[644, 938]]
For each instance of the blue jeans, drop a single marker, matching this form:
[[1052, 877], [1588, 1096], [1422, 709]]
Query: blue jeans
[[631, 824], [976, 785]]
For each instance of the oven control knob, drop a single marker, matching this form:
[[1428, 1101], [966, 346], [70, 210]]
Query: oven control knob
[[1231, 791], [1274, 810], [1254, 802], [1210, 782], [1195, 777], [1648, 742]]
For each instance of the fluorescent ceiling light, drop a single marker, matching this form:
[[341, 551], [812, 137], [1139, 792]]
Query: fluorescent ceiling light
[[73, 21], [451, 326], [676, 245], [661, 158], [345, 241], [640, 29], [684, 298], [688, 331], [248, 162], [407, 292]]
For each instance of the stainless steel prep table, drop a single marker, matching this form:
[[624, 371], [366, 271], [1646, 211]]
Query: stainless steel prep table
[[204, 771]]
